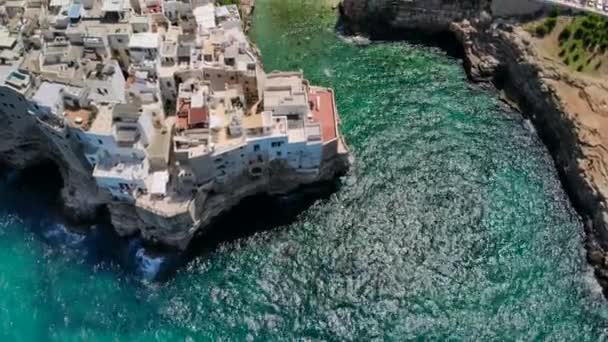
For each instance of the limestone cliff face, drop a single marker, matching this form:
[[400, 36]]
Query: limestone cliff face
[[428, 15], [569, 110], [25, 144], [212, 201]]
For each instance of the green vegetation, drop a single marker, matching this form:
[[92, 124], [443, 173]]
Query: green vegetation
[[545, 27], [228, 2], [583, 41]]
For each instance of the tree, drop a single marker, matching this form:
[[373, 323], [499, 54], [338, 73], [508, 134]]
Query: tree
[[550, 24], [540, 31], [565, 35]]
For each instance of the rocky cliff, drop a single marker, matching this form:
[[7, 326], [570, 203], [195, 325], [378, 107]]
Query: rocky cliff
[[212, 201], [569, 110], [26, 144]]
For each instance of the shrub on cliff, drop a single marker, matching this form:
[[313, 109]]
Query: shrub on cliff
[[540, 31], [550, 24], [565, 35], [545, 28]]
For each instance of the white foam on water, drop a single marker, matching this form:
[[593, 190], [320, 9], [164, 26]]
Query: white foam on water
[[529, 126], [590, 281], [60, 234], [147, 265]]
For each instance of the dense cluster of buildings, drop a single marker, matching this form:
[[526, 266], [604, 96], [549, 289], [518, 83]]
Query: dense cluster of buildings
[[158, 98]]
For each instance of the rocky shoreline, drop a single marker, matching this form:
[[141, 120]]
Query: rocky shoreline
[[26, 145], [566, 108]]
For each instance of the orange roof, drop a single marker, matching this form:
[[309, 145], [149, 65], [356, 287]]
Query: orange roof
[[197, 116], [323, 111]]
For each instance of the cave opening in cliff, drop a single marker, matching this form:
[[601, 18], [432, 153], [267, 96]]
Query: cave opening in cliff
[[258, 214], [42, 181], [445, 40]]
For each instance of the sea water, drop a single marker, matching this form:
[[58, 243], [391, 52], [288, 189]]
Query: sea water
[[451, 223]]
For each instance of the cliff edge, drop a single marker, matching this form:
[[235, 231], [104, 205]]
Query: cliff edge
[[569, 109], [162, 120]]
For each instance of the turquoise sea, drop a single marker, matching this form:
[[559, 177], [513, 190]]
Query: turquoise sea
[[451, 224]]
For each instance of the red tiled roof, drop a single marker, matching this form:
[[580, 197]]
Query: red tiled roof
[[198, 116], [322, 107]]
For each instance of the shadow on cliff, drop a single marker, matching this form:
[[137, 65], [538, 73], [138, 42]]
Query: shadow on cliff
[[377, 29], [33, 195], [34, 190], [253, 215]]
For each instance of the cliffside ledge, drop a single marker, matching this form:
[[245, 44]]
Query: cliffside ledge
[[183, 147], [569, 109]]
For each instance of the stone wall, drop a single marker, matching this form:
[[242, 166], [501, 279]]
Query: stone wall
[[506, 8]]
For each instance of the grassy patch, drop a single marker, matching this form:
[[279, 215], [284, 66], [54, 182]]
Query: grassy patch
[[583, 41], [228, 2]]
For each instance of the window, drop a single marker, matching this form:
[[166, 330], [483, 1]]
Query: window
[[12, 105], [119, 41], [256, 148], [100, 142], [279, 153]]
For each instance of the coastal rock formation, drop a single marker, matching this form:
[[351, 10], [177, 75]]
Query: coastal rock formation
[[178, 141], [210, 202], [568, 109], [24, 145]]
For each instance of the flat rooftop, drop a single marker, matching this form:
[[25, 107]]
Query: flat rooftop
[[48, 94], [323, 111], [102, 124]]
